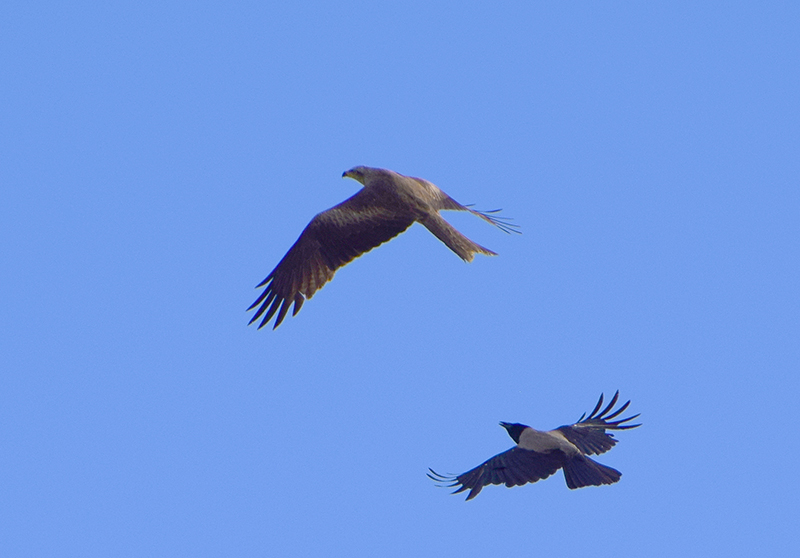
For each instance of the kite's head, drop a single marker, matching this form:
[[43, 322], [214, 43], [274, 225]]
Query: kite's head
[[356, 173]]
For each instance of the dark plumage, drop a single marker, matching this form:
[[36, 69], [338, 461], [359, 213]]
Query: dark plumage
[[539, 454], [387, 205]]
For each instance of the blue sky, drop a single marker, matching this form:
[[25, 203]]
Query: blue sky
[[158, 160]]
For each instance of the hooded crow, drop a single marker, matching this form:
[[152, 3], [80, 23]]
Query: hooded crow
[[538, 454], [387, 205]]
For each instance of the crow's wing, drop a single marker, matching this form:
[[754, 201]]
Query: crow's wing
[[513, 468], [589, 433]]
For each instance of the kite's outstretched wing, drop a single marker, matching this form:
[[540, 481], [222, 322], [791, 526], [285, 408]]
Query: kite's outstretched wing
[[331, 240]]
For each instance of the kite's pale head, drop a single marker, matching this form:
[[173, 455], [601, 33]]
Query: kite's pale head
[[362, 174]]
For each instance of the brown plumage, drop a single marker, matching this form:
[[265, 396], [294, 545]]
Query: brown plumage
[[539, 454], [386, 206]]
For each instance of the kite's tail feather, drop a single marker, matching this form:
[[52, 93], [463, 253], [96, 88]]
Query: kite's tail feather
[[457, 242]]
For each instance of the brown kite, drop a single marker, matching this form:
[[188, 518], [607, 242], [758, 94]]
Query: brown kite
[[386, 206]]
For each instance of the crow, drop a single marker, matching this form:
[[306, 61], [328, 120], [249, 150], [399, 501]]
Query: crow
[[538, 454]]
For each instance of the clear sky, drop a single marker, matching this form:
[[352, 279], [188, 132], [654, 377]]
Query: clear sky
[[157, 161]]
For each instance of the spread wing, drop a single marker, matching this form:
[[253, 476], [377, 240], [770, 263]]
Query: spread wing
[[589, 434], [331, 240], [441, 201], [514, 467], [499, 221]]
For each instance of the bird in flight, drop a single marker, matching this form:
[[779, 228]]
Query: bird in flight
[[538, 454], [386, 206]]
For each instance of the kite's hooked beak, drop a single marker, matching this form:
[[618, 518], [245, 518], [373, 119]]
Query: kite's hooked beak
[[355, 174]]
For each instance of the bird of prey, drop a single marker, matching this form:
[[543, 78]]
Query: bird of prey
[[386, 206], [539, 454]]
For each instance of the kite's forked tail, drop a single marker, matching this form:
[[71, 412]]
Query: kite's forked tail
[[457, 242]]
